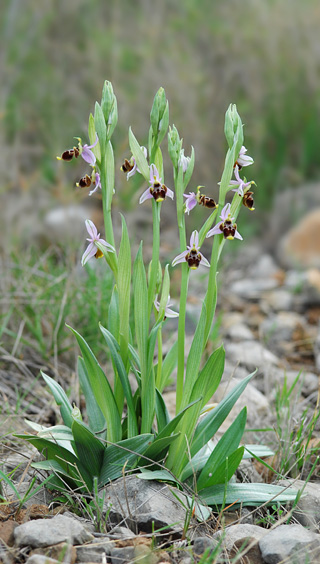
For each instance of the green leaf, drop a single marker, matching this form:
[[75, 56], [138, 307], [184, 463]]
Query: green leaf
[[89, 449], [141, 317], [138, 154], [57, 433], [157, 450], [225, 471], [96, 420], [68, 461], [101, 389], [162, 415], [159, 475], [122, 457], [246, 494], [10, 483], [124, 284], [100, 126], [60, 398], [169, 364], [56, 470], [209, 377], [259, 451], [113, 346], [189, 170], [194, 359], [209, 425], [225, 447], [92, 137], [113, 314]]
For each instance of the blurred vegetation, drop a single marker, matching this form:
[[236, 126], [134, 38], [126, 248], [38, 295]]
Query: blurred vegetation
[[263, 56]]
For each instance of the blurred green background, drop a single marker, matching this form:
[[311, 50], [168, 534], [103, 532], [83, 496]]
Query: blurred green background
[[263, 55]]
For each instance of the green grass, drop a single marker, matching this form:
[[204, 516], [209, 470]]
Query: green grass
[[44, 291]]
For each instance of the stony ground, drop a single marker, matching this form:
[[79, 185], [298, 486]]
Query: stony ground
[[268, 318]]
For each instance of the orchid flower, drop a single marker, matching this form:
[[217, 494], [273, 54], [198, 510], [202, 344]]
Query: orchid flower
[[243, 159], [239, 182], [95, 180], [167, 312], [226, 226], [92, 249], [192, 254], [190, 202], [156, 190], [86, 153], [130, 167], [183, 161], [198, 198]]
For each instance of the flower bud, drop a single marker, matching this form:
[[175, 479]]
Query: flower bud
[[109, 107], [231, 124]]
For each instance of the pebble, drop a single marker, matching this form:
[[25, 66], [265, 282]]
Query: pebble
[[243, 538]]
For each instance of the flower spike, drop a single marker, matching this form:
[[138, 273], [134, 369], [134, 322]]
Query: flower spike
[[226, 226], [156, 190], [192, 254], [92, 250]]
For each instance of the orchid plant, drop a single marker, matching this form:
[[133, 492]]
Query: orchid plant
[[132, 430]]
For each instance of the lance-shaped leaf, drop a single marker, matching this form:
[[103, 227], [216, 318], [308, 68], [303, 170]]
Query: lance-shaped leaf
[[114, 348], [61, 399], [226, 446], [246, 494], [101, 390], [122, 457], [211, 422], [68, 461], [96, 420], [89, 449]]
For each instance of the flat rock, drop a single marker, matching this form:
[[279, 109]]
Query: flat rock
[[144, 505], [290, 543], [251, 354], [46, 532]]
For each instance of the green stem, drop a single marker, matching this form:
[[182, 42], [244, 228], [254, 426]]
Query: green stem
[[155, 254], [178, 180], [107, 187], [159, 367]]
